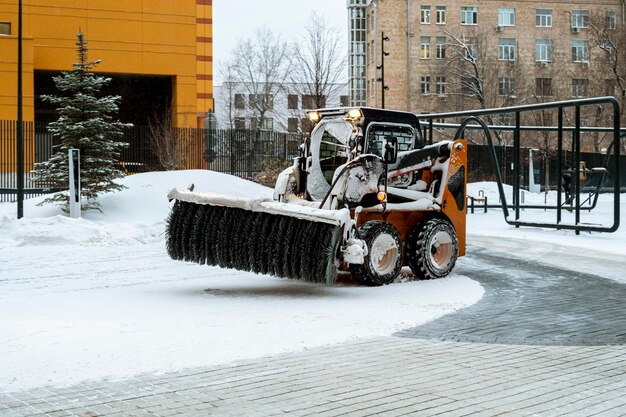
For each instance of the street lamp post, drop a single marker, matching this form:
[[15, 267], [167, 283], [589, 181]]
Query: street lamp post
[[19, 128], [381, 67]]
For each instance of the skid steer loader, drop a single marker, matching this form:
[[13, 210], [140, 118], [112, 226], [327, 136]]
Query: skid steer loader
[[365, 195]]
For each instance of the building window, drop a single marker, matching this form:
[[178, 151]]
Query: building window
[[261, 101], [543, 87], [607, 46], [240, 123], [506, 16], [441, 15], [441, 47], [343, 101], [471, 48], [425, 86], [580, 87], [292, 102], [506, 49], [308, 101], [610, 20], [469, 15], [357, 38], [292, 124], [543, 18], [580, 51], [240, 101], [254, 123], [543, 50], [580, 19], [425, 47], [425, 14], [469, 86], [268, 124], [440, 86], [506, 86], [5, 28]]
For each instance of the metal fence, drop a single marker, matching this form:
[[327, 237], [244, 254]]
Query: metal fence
[[481, 168], [244, 153], [8, 156]]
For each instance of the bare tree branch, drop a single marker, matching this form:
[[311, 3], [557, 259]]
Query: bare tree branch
[[261, 66], [319, 59]]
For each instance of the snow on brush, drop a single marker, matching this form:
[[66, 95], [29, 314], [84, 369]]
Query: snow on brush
[[99, 297]]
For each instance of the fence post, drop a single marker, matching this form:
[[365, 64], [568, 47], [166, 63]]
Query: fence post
[[232, 151]]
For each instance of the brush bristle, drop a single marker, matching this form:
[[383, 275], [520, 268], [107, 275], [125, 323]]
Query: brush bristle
[[252, 241]]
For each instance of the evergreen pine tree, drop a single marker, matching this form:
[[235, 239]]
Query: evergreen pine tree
[[85, 122]]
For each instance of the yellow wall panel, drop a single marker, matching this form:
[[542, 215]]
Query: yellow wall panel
[[122, 32], [8, 78], [132, 6], [170, 8], [152, 37]]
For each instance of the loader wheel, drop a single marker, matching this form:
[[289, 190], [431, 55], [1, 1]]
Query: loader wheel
[[383, 262], [432, 248]]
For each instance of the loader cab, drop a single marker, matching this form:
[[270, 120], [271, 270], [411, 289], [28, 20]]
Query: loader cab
[[341, 134]]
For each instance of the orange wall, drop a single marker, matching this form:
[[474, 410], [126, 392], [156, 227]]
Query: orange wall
[[151, 37]]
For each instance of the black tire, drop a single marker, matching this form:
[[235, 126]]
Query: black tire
[[432, 248], [379, 270]]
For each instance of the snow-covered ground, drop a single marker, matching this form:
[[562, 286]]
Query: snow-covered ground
[[595, 253], [99, 297]]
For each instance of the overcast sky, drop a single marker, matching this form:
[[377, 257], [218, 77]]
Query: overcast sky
[[238, 19]]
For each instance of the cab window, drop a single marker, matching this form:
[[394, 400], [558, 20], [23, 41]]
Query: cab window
[[376, 135]]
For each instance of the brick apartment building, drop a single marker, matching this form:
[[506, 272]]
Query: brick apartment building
[[526, 50]]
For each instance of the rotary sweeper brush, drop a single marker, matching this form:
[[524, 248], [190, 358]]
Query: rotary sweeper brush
[[365, 195]]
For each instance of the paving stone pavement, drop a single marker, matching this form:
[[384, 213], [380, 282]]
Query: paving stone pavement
[[530, 303], [529, 347], [388, 376]]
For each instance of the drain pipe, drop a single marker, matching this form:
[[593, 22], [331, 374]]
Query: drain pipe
[[374, 49], [408, 55]]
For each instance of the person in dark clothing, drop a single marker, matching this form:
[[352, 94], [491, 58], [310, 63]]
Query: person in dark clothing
[[567, 186]]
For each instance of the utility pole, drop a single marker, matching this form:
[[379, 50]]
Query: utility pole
[[381, 67], [20, 128]]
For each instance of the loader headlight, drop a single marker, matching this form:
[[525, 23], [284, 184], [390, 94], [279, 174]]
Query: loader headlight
[[355, 114], [381, 196], [313, 116]]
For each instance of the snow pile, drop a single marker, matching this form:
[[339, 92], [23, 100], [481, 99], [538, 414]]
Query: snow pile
[[98, 296]]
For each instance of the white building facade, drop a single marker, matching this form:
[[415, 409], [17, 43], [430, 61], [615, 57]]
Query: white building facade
[[283, 109]]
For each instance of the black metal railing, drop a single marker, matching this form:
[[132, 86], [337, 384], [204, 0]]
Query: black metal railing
[[244, 153], [465, 121]]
